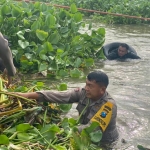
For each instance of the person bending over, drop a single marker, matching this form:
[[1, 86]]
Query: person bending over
[[122, 53], [100, 105], [6, 60]]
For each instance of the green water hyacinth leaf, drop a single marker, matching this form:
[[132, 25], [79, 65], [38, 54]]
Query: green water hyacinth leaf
[[78, 17], [51, 57], [92, 127], [63, 73], [4, 139], [63, 14], [23, 44], [75, 73], [59, 51], [25, 5], [49, 131], [43, 7], [50, 21], [49, 135], [21, 89], [73, 8], [23, 127], [100, 54], [43, 55], [86, 37], [64, 54], [64, 30], [48, 47], [36, 25], [77, 62], [65, 123], [67, 46], [54, 38], [21, 35], [28, 55], [101, 31], [37, 5], [96, 136], [16, 11], [76, 40], [62, 87], [26, 23], [40, 84], [42, 35], [43, 67], [89, 62], [72, 122], [53, 66], [65, 107], [65, 35], [24, 136], [5, 10]]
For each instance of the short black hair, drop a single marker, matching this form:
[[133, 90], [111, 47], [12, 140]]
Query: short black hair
[[124, 45], [99, 77]]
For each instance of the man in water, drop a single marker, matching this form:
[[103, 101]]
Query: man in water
[[122, 53], [6, 60], [100, 106]]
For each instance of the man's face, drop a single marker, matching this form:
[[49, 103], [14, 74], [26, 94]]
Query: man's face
[[122, 51], [93, 90]]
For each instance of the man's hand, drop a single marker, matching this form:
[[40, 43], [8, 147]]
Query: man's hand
[[5, 73], [30, 95]]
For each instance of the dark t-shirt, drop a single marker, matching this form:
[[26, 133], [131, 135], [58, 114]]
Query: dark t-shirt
[[114, 55]]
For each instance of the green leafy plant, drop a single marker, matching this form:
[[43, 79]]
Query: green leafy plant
[[44, 38], [39, 126]]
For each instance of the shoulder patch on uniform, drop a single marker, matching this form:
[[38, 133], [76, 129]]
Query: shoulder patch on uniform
[[76, 90], [103, 115]]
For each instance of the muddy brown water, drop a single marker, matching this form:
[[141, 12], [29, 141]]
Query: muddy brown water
[[129, 84]]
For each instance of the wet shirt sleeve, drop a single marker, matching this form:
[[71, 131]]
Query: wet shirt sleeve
[[6, 56], [70, 96]]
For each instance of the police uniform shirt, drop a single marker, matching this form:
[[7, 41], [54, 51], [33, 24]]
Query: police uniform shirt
[[79, 96]]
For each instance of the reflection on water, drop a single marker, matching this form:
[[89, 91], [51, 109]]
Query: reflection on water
[[129, 84]]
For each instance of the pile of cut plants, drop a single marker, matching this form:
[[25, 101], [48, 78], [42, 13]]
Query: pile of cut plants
[[58, 42]]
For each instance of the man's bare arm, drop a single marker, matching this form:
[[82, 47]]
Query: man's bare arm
[[31, 95]]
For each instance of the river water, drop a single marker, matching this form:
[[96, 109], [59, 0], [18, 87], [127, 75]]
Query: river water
[[129, 84]]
